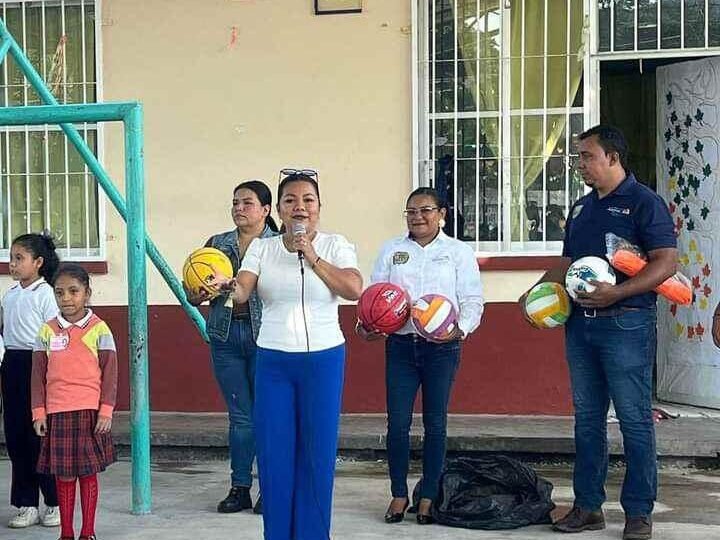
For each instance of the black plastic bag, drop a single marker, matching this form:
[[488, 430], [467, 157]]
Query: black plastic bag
[[492, 492]]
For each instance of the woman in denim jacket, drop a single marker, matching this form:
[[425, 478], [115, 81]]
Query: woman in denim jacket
[[232, 329]]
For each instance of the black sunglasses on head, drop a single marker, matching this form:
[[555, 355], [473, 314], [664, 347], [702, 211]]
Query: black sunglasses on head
[[284, 173]]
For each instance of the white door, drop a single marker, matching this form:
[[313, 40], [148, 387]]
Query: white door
[[688, 155]]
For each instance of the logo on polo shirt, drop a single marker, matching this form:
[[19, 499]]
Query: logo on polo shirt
[[401, 257], [615, 211], [577, 210]]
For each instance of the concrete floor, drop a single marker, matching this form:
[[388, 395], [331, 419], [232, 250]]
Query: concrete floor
[[185, 497]]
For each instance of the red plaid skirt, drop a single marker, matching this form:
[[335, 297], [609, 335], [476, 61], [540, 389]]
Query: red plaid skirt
[[72, 448]]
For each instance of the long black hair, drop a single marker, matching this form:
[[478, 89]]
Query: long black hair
[[264, 195], [40, 245]]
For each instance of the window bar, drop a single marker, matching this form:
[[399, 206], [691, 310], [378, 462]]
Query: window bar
[[707, 19], [426, 100], [682, 24], [635, 26], [455, 118], [521, 195], [85, 129], [64, 56], [544, 149], [433, 73], [28, 222], [66, 172], [612, 25], [46, 153], [659, 24], [44, 40], [567, 107], [477, 119], [46, 132], [95, 8], [504, 211], [7, 143]]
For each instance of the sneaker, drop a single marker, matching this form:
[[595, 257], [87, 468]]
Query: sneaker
[[237, 500], [637, 528], [26, 516], [51, 517], [578, 520]]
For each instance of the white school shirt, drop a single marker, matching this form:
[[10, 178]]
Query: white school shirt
[[445, 266], [24, 310], [279, 288]]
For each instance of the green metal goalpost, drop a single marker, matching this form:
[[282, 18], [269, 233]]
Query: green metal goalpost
[[138, 242]]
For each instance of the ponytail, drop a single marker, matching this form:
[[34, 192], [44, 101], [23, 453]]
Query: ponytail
[[41, 245]]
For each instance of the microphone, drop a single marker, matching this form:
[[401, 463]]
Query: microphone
[[299, 228]]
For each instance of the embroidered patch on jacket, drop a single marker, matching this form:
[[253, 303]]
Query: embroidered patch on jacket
[[401, 257], [577, 210], [614, 210]]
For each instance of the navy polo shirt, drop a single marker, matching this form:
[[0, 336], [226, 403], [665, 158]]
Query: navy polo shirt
[[633, 212]]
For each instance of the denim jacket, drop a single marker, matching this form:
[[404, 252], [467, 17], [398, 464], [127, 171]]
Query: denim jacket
[[220, 316]]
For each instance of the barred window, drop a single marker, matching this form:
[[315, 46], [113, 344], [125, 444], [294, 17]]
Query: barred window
[[500, 103], [44, 183], [647, 25]]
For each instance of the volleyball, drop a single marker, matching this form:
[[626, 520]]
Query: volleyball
[[548, 305], [434, 317], [383, 307], [584, 270], [200, 266]]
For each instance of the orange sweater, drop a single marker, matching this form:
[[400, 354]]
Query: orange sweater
[[74, 367]]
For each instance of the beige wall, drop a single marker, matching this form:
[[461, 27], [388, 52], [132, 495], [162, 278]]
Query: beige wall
[[330, 92], [295, 89]]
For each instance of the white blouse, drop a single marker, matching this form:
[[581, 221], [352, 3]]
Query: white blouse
[[279, 286], [445, 266]]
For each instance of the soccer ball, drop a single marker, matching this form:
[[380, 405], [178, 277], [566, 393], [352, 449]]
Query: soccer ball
[[587, 269]]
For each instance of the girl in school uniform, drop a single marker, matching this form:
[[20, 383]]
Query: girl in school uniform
[[74, 385], [25, 307]]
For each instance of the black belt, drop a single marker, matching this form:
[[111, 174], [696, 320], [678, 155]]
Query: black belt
[[607, 312], [408, 337]]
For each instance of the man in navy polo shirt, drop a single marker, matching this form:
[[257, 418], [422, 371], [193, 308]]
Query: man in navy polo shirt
[[610, 336]]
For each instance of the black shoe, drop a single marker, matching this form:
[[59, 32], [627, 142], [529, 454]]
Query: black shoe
[[424, 519], [396, 517], [578, 520], [257, 509], [637, 528], [237, 500]]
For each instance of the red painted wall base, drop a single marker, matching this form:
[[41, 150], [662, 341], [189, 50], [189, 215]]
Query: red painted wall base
[[507, 367]]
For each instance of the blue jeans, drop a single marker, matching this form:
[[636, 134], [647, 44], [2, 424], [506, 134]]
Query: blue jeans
[[612, 358], [234, 367], [411, 362], [297, 414]]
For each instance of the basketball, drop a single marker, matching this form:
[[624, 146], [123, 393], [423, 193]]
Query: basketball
[[548, 305], [434, 317], [198, 269], [584, 270], [383, 307]]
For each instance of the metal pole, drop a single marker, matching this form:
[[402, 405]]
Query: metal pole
[[137, 314], [103, 178], [4, 48]]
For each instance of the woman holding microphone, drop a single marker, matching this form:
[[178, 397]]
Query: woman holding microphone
[[300, 277], [424, 261]]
